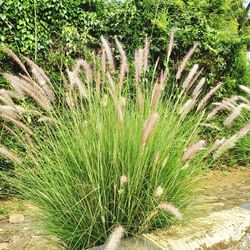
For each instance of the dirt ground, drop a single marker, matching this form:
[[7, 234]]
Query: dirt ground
[[223, 190], [217, 191]]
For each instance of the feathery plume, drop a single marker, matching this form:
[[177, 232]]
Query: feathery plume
[[16, 59], [216, 145], [235, 114], [149, 128], [163, 78], [138, 65], [243, 99], [228, 103], [39, 70], [156, 93], [11, 131], [216, 110], [118, 108], [123, 180], [170, 209], [16, 83], [193, 149], [206, 98], [187, 107], [20, 110], [5, 97], [46, 119], [226, 145], [65, 82], [111, 84], [109, 54], [243, 131], [29, 140], [170, 44], [76, 81], [14, 95], [94, 57], [158, 88], [97, 73], [10, 155], [191, 74], [231, 142], [80, 63], [103, 62], [25, 78], [124, 62], [195, 79], [245, 89], [68, 88], [21, 86], [140, 98], [117, 102], [41, 78], [245, 106], [159, 191], [198, 88], [11, 111], [17, 123], [115, 238], [185, 60]]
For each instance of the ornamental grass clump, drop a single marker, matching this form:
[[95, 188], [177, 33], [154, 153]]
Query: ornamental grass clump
[[112, 153]]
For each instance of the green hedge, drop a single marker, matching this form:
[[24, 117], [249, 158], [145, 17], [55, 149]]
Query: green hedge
[[53, 29]]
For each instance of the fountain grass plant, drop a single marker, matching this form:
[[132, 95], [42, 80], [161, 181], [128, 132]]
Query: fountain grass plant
[[110, 152]]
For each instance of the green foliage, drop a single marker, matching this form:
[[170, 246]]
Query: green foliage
[[42, 28], [33, 25]]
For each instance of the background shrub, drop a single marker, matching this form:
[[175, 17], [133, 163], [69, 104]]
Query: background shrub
[[48, 29]]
